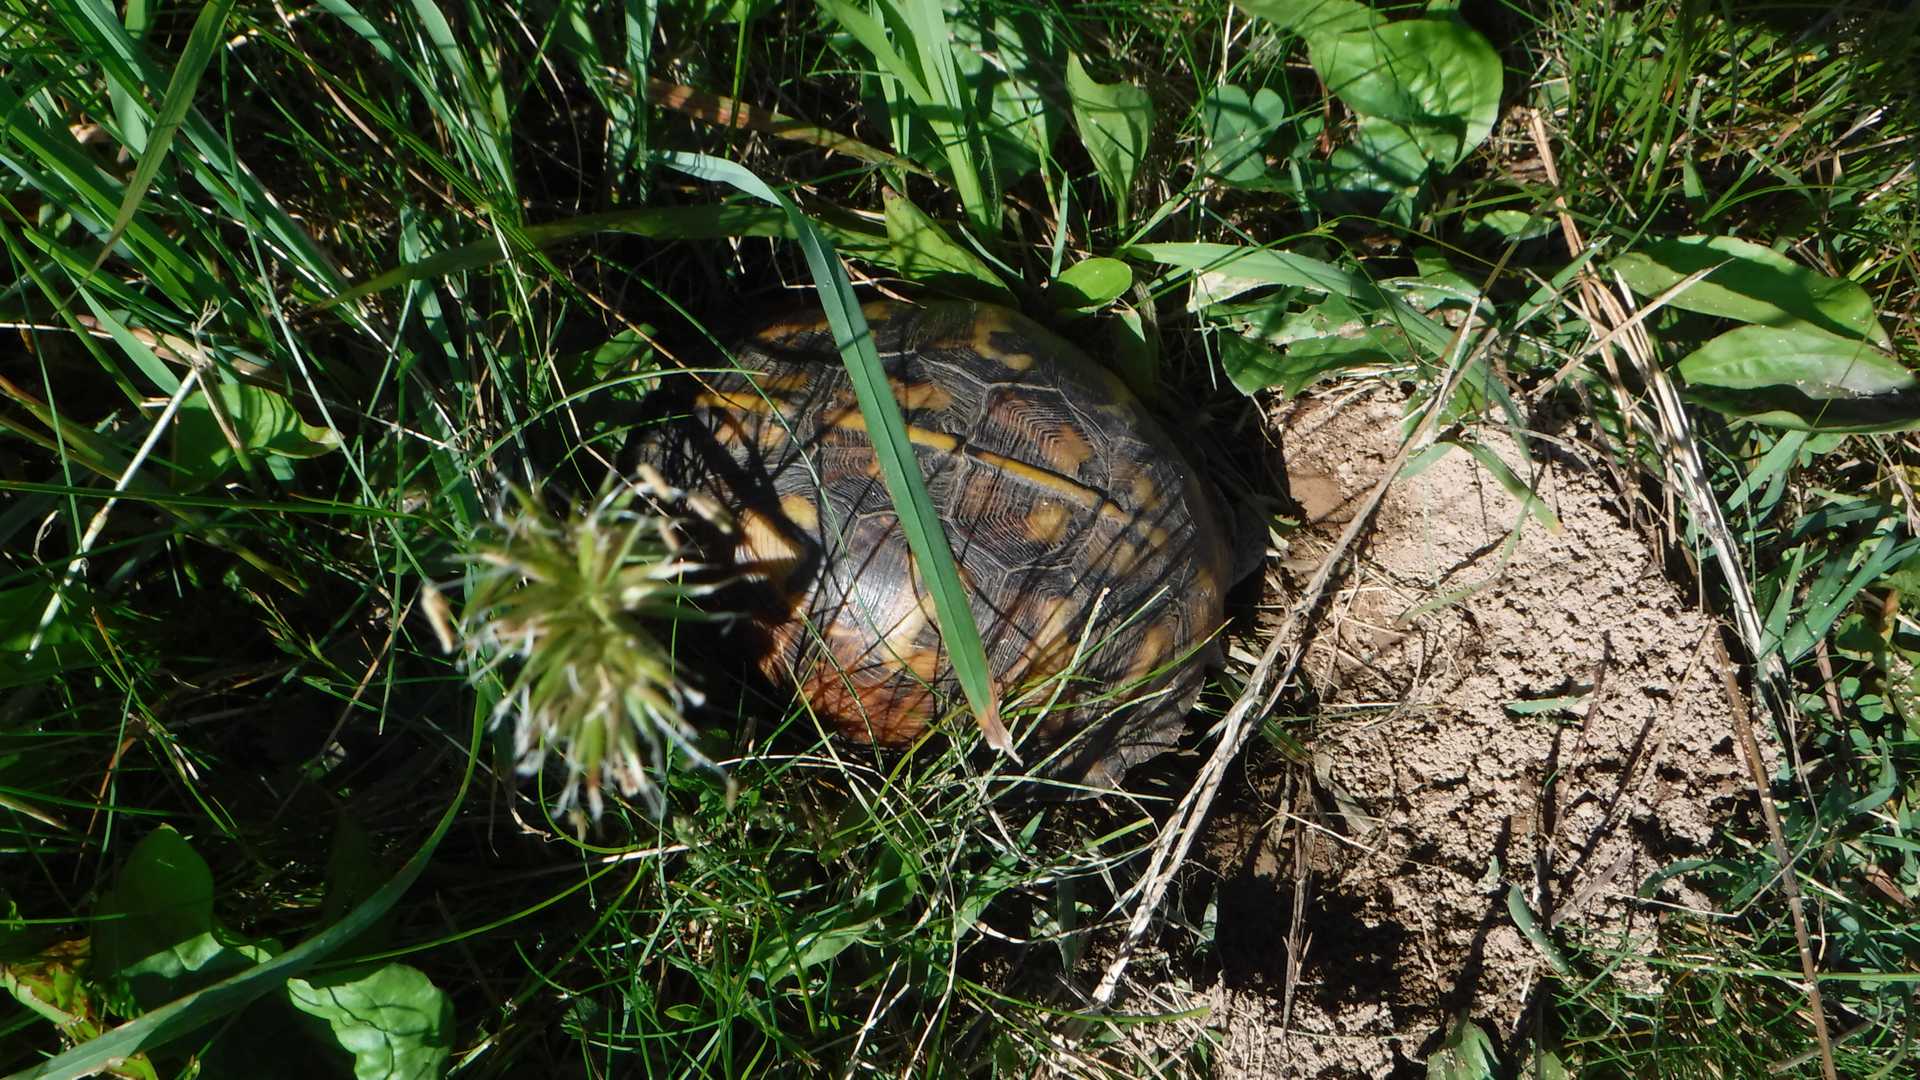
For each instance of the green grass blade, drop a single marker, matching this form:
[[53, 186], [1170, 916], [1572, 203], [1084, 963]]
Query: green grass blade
[[723, 111], [240, 195], [952, 116], [873, 38], [58, 168], [888, 429], [230, 995], [1829, 595], [712, 222], [486, 108], [933, 85], [201, 42]]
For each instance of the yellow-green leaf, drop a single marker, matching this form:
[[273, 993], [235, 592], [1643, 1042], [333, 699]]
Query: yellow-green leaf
[[922, 251], [1115, 121], [1750, 283], [263, 422], [1092, 283]]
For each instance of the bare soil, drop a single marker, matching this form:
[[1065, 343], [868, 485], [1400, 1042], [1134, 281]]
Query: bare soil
[[1499, 705]]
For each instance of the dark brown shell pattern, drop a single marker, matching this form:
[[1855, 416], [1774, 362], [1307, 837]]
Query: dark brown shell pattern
[[1077, 524]]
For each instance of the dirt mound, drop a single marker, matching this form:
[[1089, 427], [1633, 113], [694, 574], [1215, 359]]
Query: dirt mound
[[1541, 709]]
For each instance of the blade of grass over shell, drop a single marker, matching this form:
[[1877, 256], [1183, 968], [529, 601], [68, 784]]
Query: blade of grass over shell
[[888, 429], [201, 42], [228, 996]]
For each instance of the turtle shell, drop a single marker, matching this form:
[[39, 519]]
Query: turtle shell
[[1093, 554]]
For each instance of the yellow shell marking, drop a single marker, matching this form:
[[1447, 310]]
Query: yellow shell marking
[[1204, 582], [1146, 494], [1156, 646], [1068, 451], [1047, 521], [728, 402], [918, 396], [1052, 646], [764, 548], [801, 511], [924, 663], [985, 325], [772, 435], [1120, 557]]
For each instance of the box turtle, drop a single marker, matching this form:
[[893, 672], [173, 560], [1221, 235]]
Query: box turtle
[[1077, 524]]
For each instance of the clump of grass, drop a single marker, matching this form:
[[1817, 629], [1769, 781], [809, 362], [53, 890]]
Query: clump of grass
[[570, 601]]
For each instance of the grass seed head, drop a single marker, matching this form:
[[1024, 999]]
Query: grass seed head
[[570, 603]]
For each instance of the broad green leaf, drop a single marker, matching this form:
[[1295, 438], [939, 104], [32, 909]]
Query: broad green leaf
[[1514, 225], [61, 649], [201, 42], [393, 1020], [264, 423], [1260, 266], [187, 1014], [1238, 126], [922, 251], [154, 927], [1467, 1054], [887, 428], [1751, 283], [1133, 352], [625, 354], [1390, 152], [1383, 169], [1437, 78], [1265, 266], [1282, 321], [1008, 63], [807, 948], [1092, 283], [1905, 577], [162, 898], [1115, 121], [57, 984], [1313, 19], [1794, 377], [1529, 926], [1254, 366]]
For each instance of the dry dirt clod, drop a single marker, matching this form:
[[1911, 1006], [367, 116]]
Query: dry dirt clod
[[1559, 726]]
